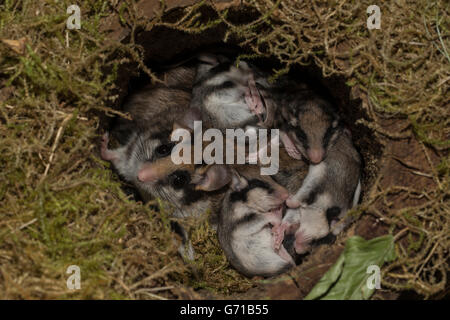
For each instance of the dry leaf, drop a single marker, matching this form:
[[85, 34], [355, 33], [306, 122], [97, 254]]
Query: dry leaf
[[17, 45]]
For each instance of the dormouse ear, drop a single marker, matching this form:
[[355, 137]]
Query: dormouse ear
[[336, 122], [212, 177], [187, 121], [285, 114], [243, 66], [238, 182], [289, 145], [347, 131], [208, 58]]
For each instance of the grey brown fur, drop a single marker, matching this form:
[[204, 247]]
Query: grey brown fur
[[251, 208], [332, 186], [154, 111], [222, 92]]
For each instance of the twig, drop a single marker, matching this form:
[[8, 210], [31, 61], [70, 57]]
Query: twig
[[28, 223], [143, 291], [55, 145], [400, 233]]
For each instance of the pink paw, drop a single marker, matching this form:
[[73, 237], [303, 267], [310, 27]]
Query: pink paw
[[278, 235], [253, 98], [104, 151], [280, 230], [293, 203], [249, 101], [302, 243]]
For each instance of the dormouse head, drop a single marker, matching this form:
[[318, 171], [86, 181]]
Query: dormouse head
[[145, 160], [152, 170], [158, 163], [184, 184], [187, 187], [310, 130]]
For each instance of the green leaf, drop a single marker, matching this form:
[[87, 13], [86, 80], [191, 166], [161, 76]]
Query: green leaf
[[347, 278]]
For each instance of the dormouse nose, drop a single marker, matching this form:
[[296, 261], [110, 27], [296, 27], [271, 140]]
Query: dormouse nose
[[157, 170], [147, 173], [315, 155]]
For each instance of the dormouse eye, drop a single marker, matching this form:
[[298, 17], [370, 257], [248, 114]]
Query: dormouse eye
[[179, 179], [330, 135], [301, 135], [228, 84], [164, 150]]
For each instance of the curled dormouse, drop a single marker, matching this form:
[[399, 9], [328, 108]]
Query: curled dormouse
[[145, 147], [178, 184], [251, 208], [143, 158], [305, 224], [332, 186], [226, 94]]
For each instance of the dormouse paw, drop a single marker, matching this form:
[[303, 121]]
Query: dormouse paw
[[279, 231], [293, 203], [253, 99], [302, 243], [105, 153], [278, 235]]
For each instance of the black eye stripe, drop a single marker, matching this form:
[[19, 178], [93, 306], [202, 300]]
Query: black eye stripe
[[301, 135], [328, 134], [247, 218], [228, 84], [161, 135], [239, 196], [252, 184], [255, 183], [333, 213], [164, 150]]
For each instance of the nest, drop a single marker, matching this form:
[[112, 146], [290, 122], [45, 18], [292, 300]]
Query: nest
[[61, 206]]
